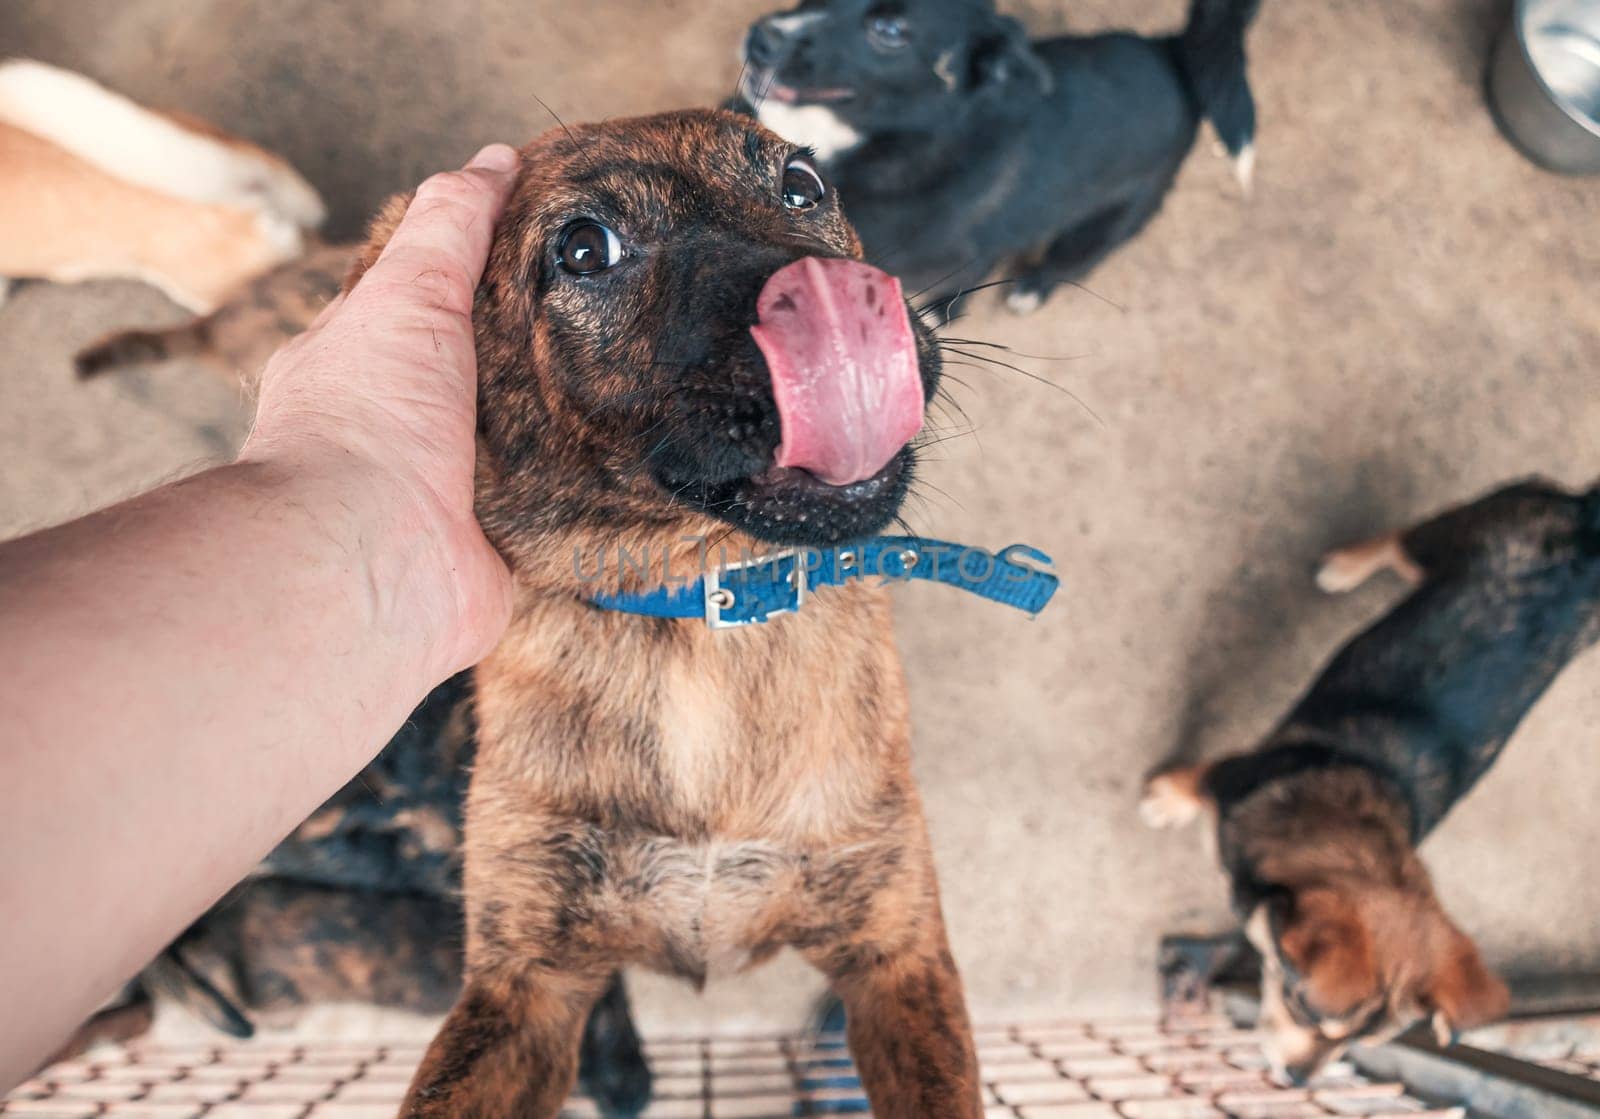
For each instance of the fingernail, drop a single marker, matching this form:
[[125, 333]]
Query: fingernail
[[495, 157]]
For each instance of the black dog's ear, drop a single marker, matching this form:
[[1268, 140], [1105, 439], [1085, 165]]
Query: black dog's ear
[[1002, 54]]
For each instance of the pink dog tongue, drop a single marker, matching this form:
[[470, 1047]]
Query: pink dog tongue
[[843, 360]]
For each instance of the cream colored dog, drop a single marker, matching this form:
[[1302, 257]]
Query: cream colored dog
[[93, 185]]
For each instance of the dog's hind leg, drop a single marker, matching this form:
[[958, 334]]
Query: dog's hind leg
[[1081, 249], [1174, 798], [508, 1050], [1347, 568], [1070, 255]]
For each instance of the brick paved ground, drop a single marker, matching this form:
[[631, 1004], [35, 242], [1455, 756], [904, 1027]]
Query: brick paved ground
[[1133, 1069]]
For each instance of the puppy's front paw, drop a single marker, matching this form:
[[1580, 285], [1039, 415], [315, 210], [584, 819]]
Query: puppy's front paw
[[1343, 571], [1169, 801], [1023, 301]]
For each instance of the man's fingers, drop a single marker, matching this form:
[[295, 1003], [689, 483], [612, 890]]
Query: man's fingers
[[438, 250]]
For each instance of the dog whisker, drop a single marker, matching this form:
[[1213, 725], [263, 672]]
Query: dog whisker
[[644, 463], [944, 392], [761, 94], [717, 543], [884, 258], [929, 444], [966, 291], [577, 148], [951, 423], [954, 271], [1086, 288], [905, 525], [952, 420], [944, 493], [1015, 353], [612, 403], [1032, 377]]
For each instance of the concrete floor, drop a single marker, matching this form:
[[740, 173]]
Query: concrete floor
[[1403, 315]]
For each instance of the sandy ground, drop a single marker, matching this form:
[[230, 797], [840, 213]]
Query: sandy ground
[[1404, 314]]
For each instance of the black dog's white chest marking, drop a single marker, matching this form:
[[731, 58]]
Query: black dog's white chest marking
[[815, 126]]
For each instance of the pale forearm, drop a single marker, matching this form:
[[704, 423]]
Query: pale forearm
[[183, 679], [186, 676]]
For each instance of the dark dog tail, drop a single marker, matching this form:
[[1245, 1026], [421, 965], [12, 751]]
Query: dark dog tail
[[169, 976], [1211, 52], [134, 347]]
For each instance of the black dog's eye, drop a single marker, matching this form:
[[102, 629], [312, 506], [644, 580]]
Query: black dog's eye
[[802, 186], [589, 247], [887, 31]]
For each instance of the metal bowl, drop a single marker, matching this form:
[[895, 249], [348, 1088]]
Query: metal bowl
[[1544, 83]]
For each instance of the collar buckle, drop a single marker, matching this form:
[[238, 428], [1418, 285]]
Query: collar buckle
[[750, 600]]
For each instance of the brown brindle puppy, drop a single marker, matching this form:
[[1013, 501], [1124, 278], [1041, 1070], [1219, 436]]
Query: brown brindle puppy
[[648, 791], [1318, 827]]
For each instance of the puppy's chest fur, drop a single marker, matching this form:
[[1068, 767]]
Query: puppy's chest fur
[[691, 795]]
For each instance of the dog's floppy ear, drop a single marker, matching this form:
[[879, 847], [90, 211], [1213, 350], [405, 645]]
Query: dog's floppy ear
[[1462, 993], [379, 231], [1325, 944], [1001, 53]]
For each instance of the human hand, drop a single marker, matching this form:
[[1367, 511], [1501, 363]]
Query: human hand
[[375, 405]]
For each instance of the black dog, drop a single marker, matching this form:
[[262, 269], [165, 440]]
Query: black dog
[[958, 146], [1317, 827], [362, 904]]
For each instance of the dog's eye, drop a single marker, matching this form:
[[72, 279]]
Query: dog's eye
[[589, 247], [888, 32], [802, 186]]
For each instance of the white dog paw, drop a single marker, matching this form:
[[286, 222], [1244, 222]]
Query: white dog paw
[[1167, 803], [1023, 301], [1342, 572]]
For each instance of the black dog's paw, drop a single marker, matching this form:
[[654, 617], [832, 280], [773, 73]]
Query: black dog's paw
[[1025, 297], [945, 308], [611, 1063], [620, 1090]]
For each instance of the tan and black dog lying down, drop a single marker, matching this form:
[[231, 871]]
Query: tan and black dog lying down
[[648, 791], [1318, 827], [251, 324]]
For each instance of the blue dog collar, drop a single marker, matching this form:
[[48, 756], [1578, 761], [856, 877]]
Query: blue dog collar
[[768, 586]]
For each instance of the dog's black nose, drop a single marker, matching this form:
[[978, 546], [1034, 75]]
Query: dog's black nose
[[764, 45]]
